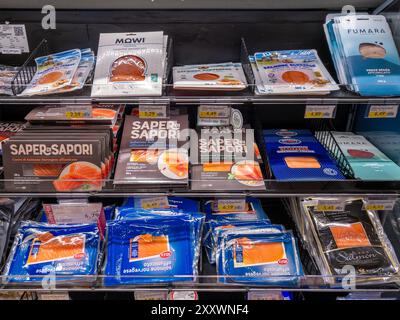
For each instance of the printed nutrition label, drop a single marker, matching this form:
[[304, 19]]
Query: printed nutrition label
[[13, 39]]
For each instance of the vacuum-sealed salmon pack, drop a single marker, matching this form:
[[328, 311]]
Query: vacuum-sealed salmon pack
[[349, 236], [259, 259], [292, 71], [53, 72], [145, 247], [223, 76], [7, 74], [214, 229], [69, 252], [130, 64], [298, 155]]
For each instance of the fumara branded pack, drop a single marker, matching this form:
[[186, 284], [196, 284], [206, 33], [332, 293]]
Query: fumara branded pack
[[130, 64], [152, 152], [58, 159]]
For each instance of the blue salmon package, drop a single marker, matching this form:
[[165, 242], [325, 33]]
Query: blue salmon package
[[297, 155], [67, 251], [180, 203], [219, 229], [263, 259], [149, 247]]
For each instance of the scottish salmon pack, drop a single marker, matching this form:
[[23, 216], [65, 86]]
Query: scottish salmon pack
[[144, 247], [66, 251], [259, 259]]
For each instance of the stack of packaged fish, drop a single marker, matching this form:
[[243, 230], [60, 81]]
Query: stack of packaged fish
[[153, 245], [247, 248], [61, 72]]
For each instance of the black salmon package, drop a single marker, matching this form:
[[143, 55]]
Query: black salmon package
[[51, 164], [153, 151], [351, 237]]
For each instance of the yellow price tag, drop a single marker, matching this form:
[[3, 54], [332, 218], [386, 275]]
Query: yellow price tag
[[327, 207], [314, 115], [148, 114], [75, 114], [375, 207], [378, 114], [208, 114], [226, 207]]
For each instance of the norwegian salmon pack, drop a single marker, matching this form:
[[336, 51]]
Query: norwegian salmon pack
[[148, 247], [259, 258], [292, 71], [218, 218], [66, 251], [53, 72]]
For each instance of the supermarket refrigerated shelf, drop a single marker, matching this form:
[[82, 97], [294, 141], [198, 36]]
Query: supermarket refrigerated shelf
[[342, 97]]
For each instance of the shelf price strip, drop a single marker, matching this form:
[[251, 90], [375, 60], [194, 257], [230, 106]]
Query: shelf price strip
[[320, 111], [382, 111]]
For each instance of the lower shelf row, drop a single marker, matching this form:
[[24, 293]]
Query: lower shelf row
[[227, 243]]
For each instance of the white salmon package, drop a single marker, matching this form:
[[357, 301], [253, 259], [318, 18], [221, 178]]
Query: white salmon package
[[130, 64], [224, 76], [67, 251], [293, 71], [53, 72]]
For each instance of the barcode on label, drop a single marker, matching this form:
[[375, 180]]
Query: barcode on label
[[18, 31]]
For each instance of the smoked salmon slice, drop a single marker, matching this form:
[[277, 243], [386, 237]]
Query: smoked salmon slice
[[253, 253], [103, 113], [47, 247], [147, 246], [47, 170], [245, 171]]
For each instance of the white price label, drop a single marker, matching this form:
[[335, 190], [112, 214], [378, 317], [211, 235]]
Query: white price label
[[13, 39], [151, 295], [382, 111], [54, 296], [320, 112], [153, 111], [154, 203]]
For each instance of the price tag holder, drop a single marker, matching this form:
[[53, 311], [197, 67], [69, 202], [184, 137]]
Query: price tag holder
[[382, 111], [153, 111], [151, 295], [230, 205], [320, 111], [13, 39], [330, 205], [379, 204], [218, 115], [154, 202], [61, 295], [78, 112]]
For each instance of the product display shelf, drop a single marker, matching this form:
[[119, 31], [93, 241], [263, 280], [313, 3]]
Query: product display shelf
[[195, 28]]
